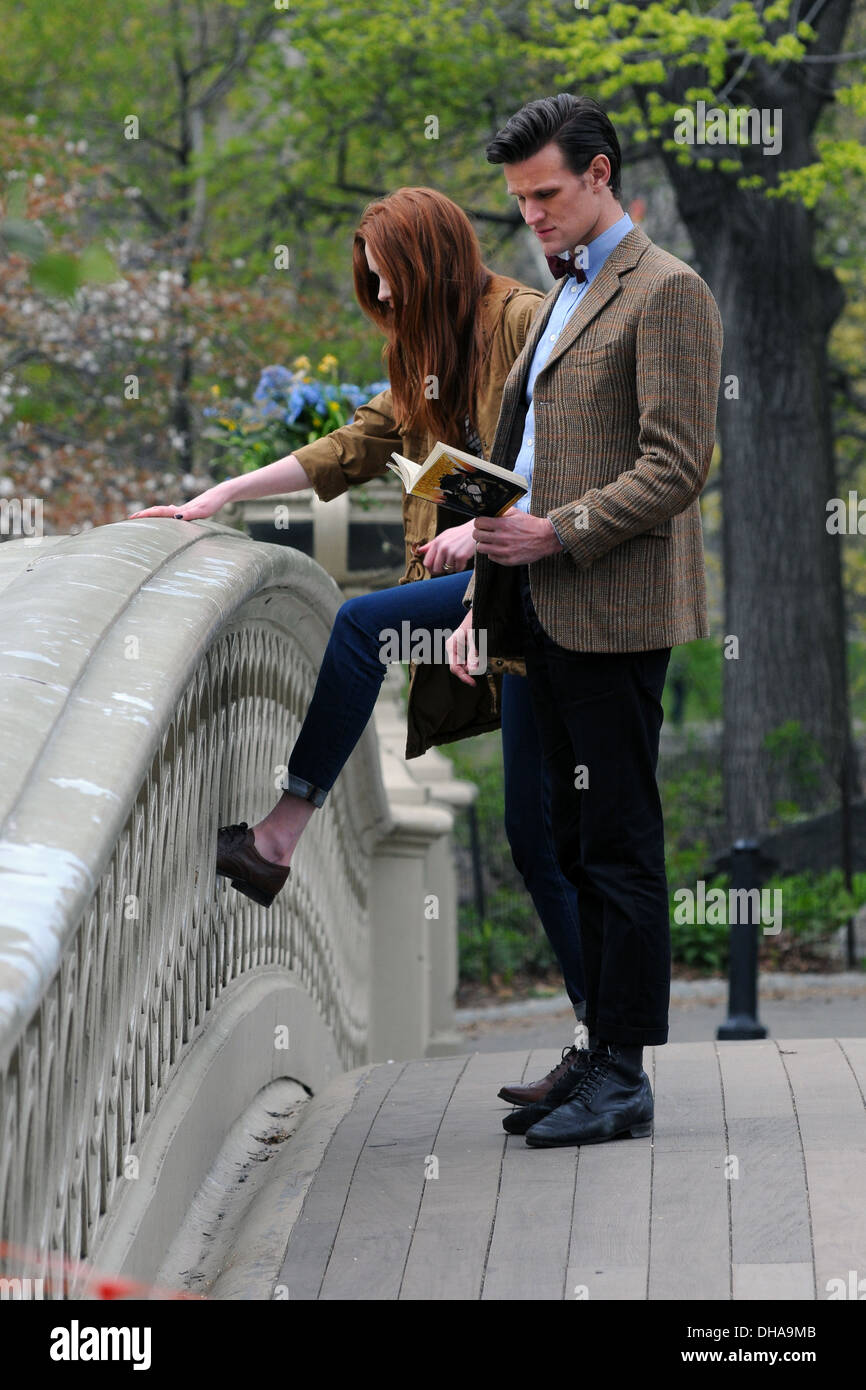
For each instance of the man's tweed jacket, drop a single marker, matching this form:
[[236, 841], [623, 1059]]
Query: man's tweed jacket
[[625, 413]]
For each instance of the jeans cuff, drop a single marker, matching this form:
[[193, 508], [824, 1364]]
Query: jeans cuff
[[307, 791]]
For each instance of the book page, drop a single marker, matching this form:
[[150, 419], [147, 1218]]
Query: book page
[[464, 488]]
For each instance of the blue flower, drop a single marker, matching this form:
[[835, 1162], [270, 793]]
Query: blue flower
[[312, 394], [273, 381], [296, 405]]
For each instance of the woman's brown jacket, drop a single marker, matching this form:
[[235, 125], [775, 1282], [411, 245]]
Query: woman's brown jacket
[[441, 708]]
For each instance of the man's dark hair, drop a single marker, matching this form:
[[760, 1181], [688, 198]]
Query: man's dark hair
[[578, 125]]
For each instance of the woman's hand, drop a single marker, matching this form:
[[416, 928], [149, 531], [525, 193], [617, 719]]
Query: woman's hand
[[196, 509], [273, 480], [449, 552]]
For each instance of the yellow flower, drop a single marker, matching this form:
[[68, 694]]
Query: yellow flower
[[301, 364], [229, 424], [333, 407], [328, 363], [214, 390]]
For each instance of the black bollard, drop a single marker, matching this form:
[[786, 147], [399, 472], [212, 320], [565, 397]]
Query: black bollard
[[746, 865]]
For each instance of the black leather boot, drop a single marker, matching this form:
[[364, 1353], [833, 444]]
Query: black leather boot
[[519, 1121], [612, 1098]]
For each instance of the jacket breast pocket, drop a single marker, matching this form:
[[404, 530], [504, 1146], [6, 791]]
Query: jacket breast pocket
[[601, 375]]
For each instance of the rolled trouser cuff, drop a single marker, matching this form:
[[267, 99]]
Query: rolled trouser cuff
[[307, 791]]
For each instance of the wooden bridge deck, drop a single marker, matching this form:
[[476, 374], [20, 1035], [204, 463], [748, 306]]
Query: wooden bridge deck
[[753, 1185]]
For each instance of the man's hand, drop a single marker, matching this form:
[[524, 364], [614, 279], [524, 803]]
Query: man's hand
[[462, 656], [516, 538], [450, 551]]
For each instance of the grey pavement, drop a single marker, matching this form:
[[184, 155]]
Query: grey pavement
[[789, 1006]]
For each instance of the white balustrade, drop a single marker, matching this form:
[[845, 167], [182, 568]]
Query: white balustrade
[[153, 678]]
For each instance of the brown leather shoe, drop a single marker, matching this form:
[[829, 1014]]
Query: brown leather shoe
[[238, 859], [537, 1090]]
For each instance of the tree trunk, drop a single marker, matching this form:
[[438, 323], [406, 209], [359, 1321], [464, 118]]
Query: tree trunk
[[784, 600], [783, 590]]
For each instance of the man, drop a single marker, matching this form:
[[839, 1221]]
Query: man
[[609, 413]]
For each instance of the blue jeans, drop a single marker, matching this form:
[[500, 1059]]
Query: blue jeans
[[349, 681]]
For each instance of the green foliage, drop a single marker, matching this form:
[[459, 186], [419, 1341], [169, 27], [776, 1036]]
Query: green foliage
[[857, 679], [501, 945], [510, 938], [702, 946], [797, 763], [52, 271], [814, 906], [698, 665]]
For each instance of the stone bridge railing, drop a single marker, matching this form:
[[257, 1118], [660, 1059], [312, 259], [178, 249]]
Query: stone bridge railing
[[153, 676]]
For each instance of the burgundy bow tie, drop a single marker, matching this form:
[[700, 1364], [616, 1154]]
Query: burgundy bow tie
[[560, 267]]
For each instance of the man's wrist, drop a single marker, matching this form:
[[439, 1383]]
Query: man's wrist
[[560, 543]]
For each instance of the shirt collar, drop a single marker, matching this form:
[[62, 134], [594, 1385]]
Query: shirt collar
[[598, 250]]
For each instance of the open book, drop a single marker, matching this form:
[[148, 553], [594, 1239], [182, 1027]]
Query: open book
[[461, 482]]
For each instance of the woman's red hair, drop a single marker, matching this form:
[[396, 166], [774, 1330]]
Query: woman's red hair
[[427, 250]]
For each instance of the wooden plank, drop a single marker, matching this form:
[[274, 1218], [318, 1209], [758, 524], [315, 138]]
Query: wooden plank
[[609, 1284], [533, 1213], [688, 1098], [313, 1234], [754, 1080], [611, 1222], [854, 1050], [387, 1184], [769, 1198], [832, 1124], [529, 1252], [586, 1223], [784, 1283], [829, 1103], [766, 1170], [448, 1254], [689, 1229]]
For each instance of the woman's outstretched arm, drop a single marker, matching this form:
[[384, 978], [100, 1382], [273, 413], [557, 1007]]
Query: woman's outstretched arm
[[284, 475]]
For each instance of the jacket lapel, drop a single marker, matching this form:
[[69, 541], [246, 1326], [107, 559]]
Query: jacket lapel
[[601, 291]]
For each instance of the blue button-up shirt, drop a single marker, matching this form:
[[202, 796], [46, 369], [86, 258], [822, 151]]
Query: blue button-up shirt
[[597, 252]]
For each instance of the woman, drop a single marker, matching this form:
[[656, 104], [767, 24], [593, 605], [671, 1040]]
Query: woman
[[453, 331]]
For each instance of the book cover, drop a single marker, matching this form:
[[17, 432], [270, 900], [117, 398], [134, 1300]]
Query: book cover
[[462, 487]]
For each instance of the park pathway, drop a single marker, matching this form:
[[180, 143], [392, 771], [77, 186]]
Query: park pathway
[[753, 1184]]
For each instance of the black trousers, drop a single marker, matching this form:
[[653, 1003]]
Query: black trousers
[[599, 715]]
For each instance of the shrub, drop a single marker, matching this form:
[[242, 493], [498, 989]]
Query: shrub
[[288, 409]]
